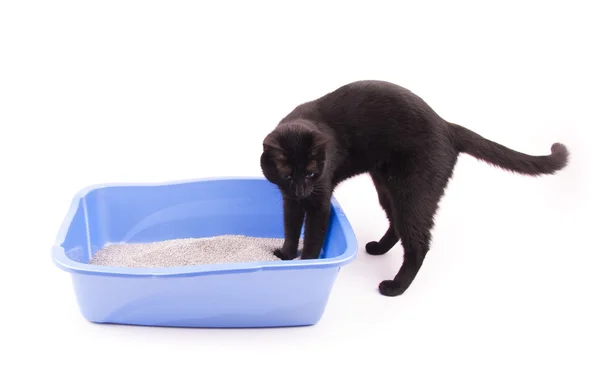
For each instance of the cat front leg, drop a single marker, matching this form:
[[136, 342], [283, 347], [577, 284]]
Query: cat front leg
[[317, 221], [293, 217]]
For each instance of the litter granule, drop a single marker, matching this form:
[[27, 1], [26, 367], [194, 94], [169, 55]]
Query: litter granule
[[189, 252]]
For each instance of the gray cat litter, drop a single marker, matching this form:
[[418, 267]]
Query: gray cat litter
[[189, 252]]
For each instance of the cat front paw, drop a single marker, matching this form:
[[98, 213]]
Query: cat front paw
[[279, 253]]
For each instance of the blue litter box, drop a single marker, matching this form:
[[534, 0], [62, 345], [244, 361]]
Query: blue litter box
[[257, 294]]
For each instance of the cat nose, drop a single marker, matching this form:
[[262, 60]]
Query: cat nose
[[300, 191]]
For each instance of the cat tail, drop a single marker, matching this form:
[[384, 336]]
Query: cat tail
[[467, 141]]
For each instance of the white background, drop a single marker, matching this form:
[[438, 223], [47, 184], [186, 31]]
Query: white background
[[148, 91]]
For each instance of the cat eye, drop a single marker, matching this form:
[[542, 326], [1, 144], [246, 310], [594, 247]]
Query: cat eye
[[287, 177], [310, 175]]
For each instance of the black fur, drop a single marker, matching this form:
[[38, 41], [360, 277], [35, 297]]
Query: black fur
[[409, 151]]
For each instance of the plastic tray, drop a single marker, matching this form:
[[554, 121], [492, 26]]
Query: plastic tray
[[257, 294]]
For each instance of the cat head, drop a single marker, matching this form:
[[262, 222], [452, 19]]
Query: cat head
[[294, 158]]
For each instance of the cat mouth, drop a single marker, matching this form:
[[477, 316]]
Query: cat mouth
[[298, 197]]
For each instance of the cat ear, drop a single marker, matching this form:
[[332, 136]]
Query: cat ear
[[321, 140], [271, 143], [319, 143]]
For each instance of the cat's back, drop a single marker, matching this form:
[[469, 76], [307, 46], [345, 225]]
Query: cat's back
[[368, 88], [373, 87], [363, 100], [373, 113], [371, 119], [374, 103]]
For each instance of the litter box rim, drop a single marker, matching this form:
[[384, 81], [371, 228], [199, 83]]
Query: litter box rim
[[65, 263]]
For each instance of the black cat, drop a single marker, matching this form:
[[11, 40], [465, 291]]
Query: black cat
[[387, 131]]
